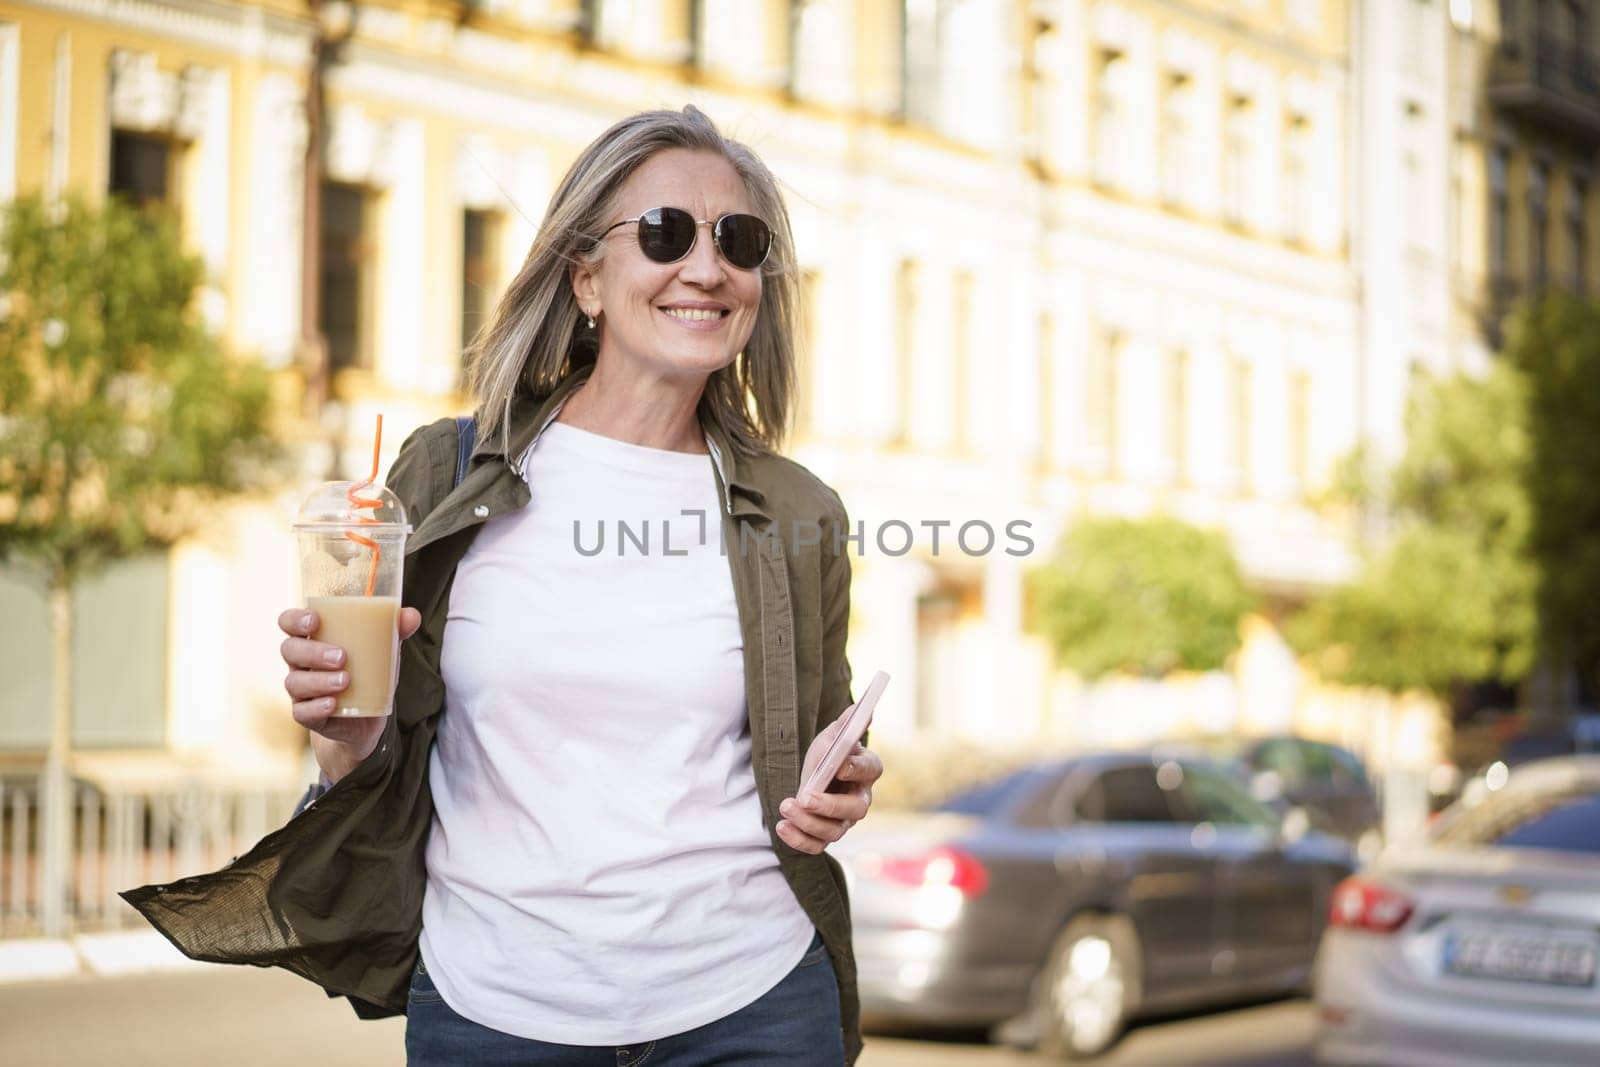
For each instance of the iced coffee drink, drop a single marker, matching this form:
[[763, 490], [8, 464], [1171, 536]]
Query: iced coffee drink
[[352, 550]]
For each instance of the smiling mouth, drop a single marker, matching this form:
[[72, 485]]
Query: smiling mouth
[[696, 314]]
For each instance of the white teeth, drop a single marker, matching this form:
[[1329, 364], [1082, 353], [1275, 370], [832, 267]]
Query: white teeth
[[693, 314]]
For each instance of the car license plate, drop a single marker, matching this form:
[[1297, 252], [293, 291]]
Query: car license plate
[[1520, 957]]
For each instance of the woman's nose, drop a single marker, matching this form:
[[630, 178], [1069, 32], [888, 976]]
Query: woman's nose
[[703, 265]]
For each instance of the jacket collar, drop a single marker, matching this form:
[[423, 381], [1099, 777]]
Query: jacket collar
[[528, 416]]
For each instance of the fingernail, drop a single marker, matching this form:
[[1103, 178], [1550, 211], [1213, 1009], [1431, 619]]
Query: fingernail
[[342, 678], [305, 620], [786, 808], [811, 803], [327, 703], [332, 657]]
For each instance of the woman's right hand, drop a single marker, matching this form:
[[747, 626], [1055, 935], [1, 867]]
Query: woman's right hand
[[316, 677]]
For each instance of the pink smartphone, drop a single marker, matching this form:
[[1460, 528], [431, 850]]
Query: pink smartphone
[[856, 719]]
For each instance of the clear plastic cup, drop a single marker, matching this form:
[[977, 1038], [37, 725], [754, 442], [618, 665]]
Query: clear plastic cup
[[351, 561]]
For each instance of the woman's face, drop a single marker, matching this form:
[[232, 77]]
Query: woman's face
[[687, 318]]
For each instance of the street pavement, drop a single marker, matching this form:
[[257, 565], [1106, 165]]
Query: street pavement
[[247, 1017]]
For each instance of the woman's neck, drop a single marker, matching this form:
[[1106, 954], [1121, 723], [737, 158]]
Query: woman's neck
[[656, 413]]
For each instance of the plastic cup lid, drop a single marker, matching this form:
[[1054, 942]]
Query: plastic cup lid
[[334, 505]]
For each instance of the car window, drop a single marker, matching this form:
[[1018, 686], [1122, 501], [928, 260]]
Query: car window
[[1316, 765], [1347, 768], [1283, 759], [1561, 822], [1125, 794], [1212, 796], [992, 797]]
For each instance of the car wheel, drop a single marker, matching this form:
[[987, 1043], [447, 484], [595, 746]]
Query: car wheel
[[1089, 987]]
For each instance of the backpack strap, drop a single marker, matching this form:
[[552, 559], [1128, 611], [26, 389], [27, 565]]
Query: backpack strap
[[466, 437]]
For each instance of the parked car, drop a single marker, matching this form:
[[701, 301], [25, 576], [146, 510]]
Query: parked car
[[1327, 782], [1479, 947], [1068, 897]]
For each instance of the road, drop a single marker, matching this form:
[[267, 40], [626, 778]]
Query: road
[[267, 1018]]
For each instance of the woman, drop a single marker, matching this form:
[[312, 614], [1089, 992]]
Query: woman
[[601, 879]]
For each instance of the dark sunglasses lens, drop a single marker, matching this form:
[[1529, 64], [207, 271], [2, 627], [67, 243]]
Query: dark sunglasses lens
[[666, 234], [744, 240]]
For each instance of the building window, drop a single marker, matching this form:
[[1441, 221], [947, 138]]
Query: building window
[[1510, 25], [1043, 89], [1176, 430], [1111, 106], [1048, 376], [1300, 427], [1578, 232], [695, 32], [1296, 178], [815, 48], [1538, 223], [1100, 399], [809, 358], [607, 20], [1236, 160], [479, 233], [905, 324], [1239, 397], [143, 168], [1177, 140], [344, 313], [919, 61], [1499, 211], [961, 297]]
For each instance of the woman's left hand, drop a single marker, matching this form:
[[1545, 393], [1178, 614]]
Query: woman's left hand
[[828, 816]]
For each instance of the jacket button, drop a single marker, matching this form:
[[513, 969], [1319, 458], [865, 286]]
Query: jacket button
[[482, 511]]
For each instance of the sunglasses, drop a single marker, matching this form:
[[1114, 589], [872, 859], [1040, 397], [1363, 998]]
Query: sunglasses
[[667, 234]]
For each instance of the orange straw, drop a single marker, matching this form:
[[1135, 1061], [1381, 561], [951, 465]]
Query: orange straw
[[367, 502]]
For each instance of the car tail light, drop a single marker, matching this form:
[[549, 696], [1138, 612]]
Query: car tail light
[[938, 867], [1363, 904]]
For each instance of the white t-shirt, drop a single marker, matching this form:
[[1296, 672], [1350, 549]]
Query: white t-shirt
[[598, 872]]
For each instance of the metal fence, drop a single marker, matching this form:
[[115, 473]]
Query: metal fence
[[123, 837]]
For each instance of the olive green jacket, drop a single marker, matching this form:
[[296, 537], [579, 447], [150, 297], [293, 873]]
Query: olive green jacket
[[336, 894]]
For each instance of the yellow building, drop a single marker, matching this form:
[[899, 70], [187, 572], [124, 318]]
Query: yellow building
[[1063, 257]]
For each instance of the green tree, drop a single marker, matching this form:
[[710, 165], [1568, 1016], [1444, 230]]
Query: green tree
[[1148, 596], [1448, 598], [120, 420], [1556, 343]]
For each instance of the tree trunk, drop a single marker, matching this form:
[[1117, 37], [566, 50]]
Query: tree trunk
[[56, 791]]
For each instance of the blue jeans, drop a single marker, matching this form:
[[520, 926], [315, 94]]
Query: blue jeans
[[795, 1024]]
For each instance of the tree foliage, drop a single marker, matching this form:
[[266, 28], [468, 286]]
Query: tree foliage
[[1556, 344], [120, 417], [1449, 597], [1147, 596]]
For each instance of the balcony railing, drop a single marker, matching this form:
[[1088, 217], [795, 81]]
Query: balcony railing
[[1555, 80], [121, 838]]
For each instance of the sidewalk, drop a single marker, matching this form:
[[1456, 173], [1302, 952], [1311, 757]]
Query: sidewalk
[[108, 954]]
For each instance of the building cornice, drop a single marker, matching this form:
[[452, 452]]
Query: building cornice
[[230, 29]]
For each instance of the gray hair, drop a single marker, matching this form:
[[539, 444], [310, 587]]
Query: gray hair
[[537, 336]]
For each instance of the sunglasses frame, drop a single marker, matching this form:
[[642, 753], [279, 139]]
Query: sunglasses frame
[[716, 237]]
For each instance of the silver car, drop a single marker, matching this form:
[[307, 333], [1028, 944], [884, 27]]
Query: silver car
[[1480, 945], [1060, 901]]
